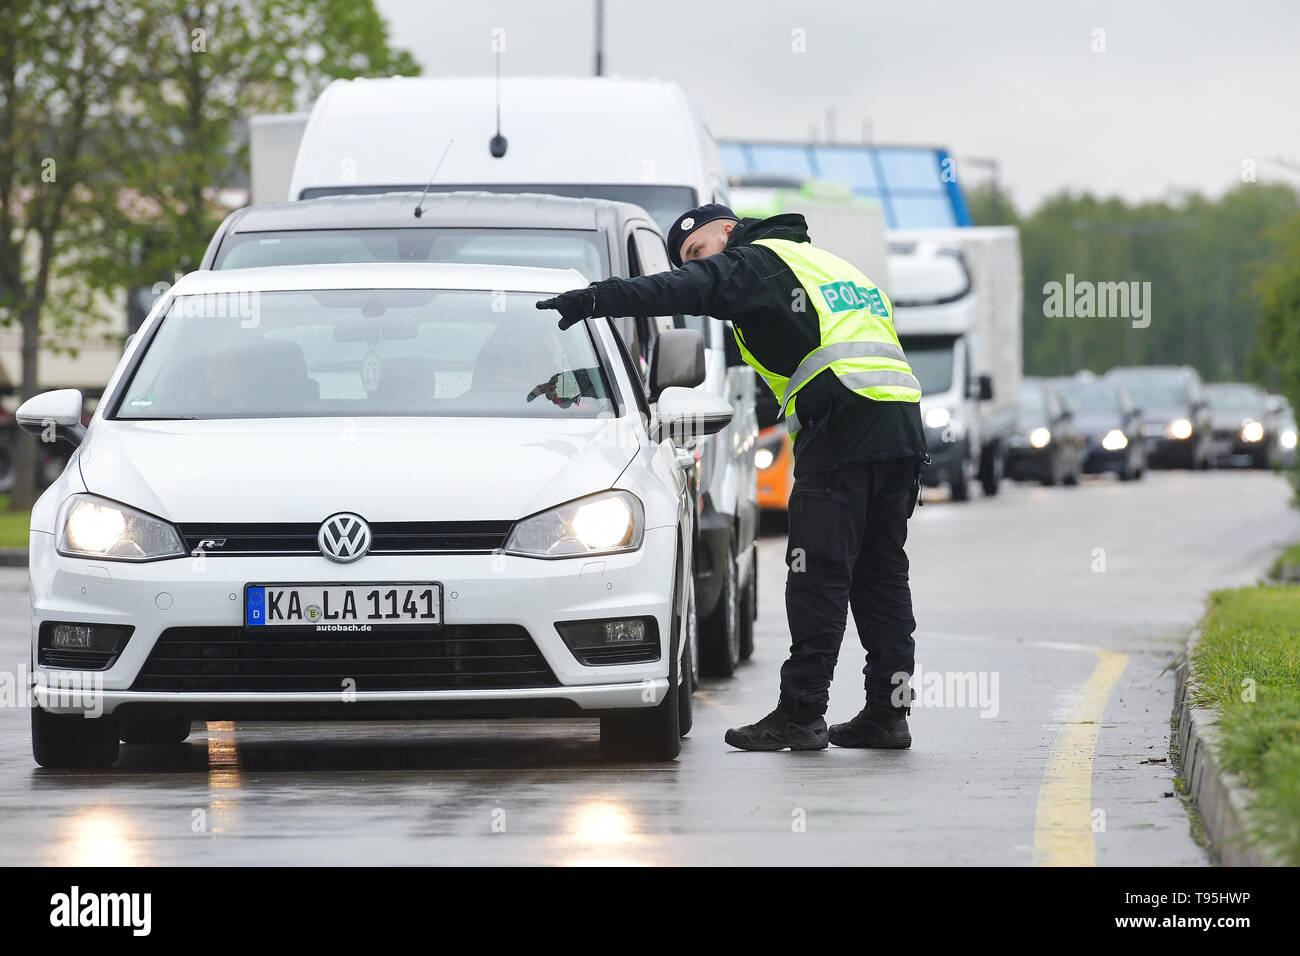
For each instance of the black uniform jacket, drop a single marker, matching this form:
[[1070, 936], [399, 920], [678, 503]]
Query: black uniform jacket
[[753, 288]]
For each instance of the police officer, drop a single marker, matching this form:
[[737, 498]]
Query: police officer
[[821, 335]]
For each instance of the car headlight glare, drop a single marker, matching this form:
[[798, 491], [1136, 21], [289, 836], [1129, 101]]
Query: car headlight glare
[[763, 459], [1040, 437], [1115, 440], [1179, 428], [937, 417], [1288, 438], [606, 523], [93, 527], [1252, 432]]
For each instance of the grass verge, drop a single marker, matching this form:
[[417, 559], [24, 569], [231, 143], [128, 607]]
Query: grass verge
[[13, 525], [1247, 667]]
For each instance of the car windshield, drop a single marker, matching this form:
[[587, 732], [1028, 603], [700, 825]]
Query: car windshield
[[663, 203], [581, 249], [1091, 397], [1032, 402], [932, 363], [1234, 398], [1156, 391], [365, 352]]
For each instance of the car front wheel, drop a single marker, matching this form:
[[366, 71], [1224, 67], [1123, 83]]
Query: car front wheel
[[720, 631], [646, 734], [71, 741]]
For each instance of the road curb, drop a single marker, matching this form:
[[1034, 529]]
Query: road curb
[[1221, 798], [13, 557]]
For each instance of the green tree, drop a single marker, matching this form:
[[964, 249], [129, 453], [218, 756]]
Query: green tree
[[212, 65], [142, 109], [64, 71], [1278, 288], [1199, 255]]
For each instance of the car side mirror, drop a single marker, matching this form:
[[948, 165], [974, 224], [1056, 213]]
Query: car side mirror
[[678, 361], [53, 416], [685, 414]]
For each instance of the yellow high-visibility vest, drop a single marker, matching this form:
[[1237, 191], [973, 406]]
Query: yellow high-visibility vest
[[858, 341]]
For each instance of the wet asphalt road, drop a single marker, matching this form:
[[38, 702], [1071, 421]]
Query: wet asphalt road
[[1010, 589]]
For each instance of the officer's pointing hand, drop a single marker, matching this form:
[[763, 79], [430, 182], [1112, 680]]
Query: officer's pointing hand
[[573, 306]]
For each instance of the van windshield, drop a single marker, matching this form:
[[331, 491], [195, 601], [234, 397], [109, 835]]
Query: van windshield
[[581, 249], [931, 358], [365, 352], [663, 203]]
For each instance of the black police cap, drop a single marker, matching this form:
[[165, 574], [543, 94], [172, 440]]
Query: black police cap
[[691, 220]]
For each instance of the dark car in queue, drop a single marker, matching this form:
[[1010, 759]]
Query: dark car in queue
[[1244, 427], [598, 238], [1045, 445], [1175, 414], [1110, 424], [1287, 432]]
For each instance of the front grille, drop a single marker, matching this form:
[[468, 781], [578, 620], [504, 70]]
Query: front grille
[[453, 657], [388, 537]]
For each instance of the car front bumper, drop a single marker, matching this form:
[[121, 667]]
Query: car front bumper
[[493, 590]]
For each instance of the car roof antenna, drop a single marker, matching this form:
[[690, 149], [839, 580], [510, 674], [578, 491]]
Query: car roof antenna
[[419, 207], [497, 144]]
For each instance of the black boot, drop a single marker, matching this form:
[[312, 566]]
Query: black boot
[[779, 731], [880, 725]]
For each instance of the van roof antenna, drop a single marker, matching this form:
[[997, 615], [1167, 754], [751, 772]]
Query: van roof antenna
[[419, 207], [497, 144]]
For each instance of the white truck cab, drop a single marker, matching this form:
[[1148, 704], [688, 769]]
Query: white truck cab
[[957, 297]]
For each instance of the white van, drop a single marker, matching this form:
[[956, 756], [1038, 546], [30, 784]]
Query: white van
[[636, 141]]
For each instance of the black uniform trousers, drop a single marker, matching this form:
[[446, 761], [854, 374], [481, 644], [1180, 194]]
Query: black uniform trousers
[[848, 529]]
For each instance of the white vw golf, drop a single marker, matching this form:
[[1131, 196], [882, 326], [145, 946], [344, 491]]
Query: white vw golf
[[368, 491]]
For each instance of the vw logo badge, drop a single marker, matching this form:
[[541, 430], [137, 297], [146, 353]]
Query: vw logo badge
[[343, 537]]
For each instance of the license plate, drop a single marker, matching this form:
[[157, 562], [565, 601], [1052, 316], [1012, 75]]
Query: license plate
[[342, 606]]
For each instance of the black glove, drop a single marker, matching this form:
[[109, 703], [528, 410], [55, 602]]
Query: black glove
[[573, 306]]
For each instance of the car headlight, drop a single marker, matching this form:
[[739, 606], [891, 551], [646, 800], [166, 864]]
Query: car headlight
[[94, 527], [605, 523], [1040, 437], [1115, 440], [937, 417], [1252, 432], [1179, 428], [1288, 438], [763, 459]]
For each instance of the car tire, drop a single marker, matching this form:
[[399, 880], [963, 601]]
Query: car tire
[[749, 607], [991, 471], [690, 666], [646, 734], [164, 731], [959, 487], [720, 631], [1052, 475], [71, 741]]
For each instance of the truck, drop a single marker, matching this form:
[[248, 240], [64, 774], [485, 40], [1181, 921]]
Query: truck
[[958, 298], [852, 228]]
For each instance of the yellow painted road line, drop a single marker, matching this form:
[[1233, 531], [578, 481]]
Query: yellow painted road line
[[1063, 830]]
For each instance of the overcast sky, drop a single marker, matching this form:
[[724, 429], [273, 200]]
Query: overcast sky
[[1184, 92]]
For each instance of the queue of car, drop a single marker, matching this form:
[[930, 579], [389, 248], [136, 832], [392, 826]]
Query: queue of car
[[1137, 417]]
